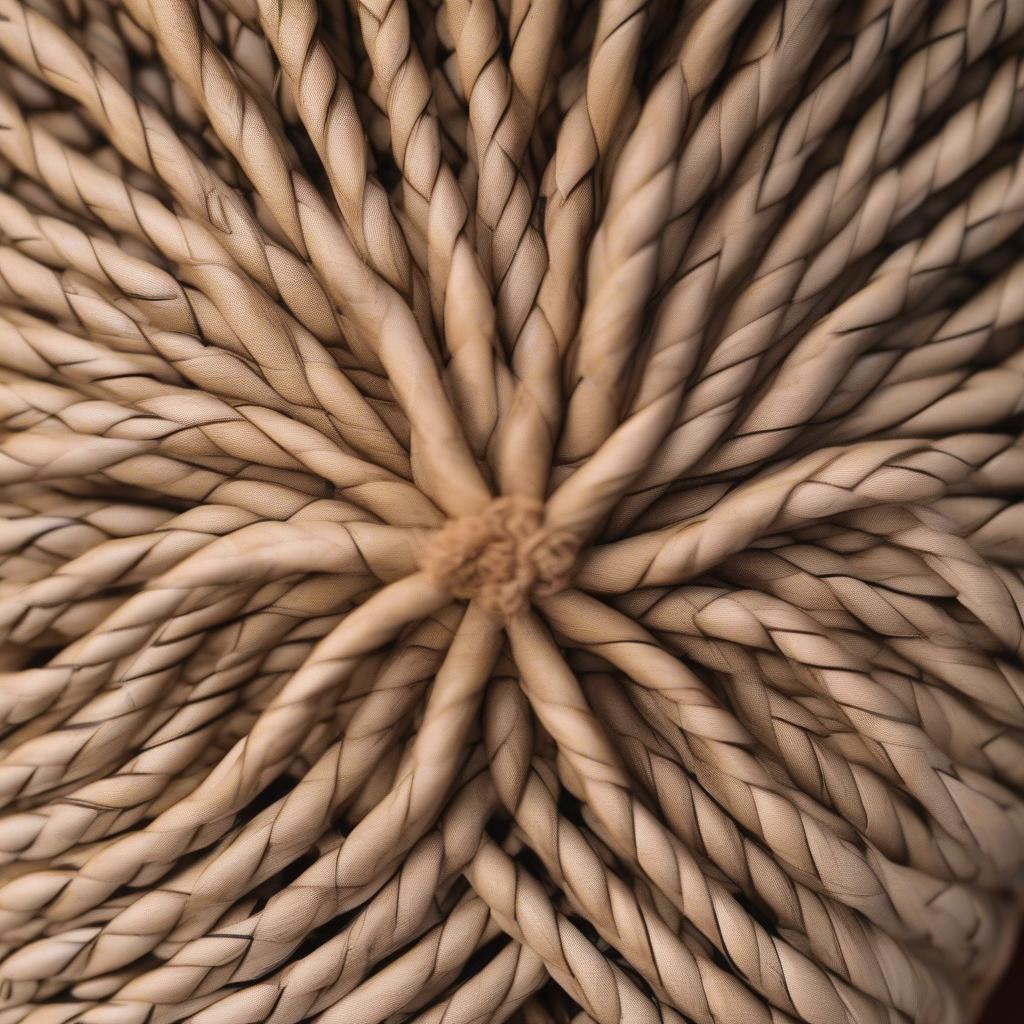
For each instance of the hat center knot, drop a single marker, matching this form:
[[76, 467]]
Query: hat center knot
[[502, 556]]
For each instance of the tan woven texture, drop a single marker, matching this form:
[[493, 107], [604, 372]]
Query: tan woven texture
[[510, 510]]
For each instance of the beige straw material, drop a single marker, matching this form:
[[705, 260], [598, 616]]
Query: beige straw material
[[510, 510]]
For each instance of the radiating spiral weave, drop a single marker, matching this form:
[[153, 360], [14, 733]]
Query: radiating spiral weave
[[510, 510]]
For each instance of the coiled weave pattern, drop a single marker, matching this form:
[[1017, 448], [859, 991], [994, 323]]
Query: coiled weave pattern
[[510, 510]]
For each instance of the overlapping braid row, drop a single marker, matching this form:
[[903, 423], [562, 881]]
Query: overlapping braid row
[[510, 510]]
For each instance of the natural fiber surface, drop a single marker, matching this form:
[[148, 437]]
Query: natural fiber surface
[[510, 510]]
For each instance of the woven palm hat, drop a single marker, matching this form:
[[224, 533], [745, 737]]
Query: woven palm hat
[[510, 510]]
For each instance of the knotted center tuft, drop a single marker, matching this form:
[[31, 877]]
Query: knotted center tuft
[[502, 556]]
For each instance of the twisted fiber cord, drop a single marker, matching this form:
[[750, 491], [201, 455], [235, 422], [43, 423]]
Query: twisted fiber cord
[[436, 431], [510, 510], [500, 107], [938, 344], [339, 772], [898, 833], [860, 756], [644, 179], [691, 810], [89, 186], [960, 229], [532, 420], [76, 302], [534, 804], [693, 81], [438, 209], [509, 243], [956, 32], [638, 837]]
